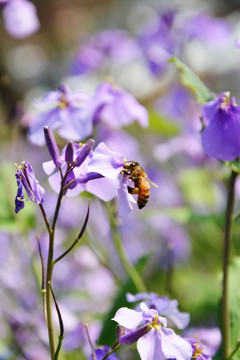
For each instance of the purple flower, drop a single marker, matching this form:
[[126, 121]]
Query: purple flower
[[20, 18], [116, 107], [74, 114], [26, 180], [158, 41], [207, 28], [101, 352], [154, 339], [164, 306], [198, 350], [110, 164], [80, 177], [69, 115], [112, 45], [221, 137], [209, 337]]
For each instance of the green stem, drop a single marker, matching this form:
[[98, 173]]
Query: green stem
[[226, 257], [50, 265], [60, 340], [49, 295], [130, 269], [111, 351]]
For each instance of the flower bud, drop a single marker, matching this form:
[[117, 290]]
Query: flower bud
[[131, 336], [69, 152], [84, 152], [52, 146]]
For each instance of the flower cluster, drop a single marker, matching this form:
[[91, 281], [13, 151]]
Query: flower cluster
[[74, 114], [100, 172]]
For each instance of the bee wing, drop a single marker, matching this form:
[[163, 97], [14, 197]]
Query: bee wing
[[150, 182]]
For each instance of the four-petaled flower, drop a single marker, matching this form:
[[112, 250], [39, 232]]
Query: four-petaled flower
[[79, 178], [221, 137], [164, 306], [26, 180], [154, 339], [67, 114]]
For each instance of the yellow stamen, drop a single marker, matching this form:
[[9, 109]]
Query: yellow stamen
[[63, 102], [197, 352], [155, 323]]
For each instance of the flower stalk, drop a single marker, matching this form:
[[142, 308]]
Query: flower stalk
[[226, 257], [117, 240]]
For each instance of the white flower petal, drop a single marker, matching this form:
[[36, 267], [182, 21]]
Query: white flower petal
[[149, 346], [128, 318], [173, 346]]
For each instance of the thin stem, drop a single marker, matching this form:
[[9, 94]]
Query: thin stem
[[234, 351], [50, 265], [226, 257], [45, 218], [77, 240], [90, 343], [130, 269], [111, 351], [43, 278], [61, 335], [49, 295]]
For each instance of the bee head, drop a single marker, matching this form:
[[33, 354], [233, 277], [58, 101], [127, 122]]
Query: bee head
[[131, 164]]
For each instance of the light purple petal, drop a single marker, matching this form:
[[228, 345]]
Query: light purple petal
[[48, 167], [128, 318], [105, 189], [123, 110], [47, 118], [50, 97], [173, 346], [181, 320], [149, 347], [106, 162], [125, 201], [140, 296], [20, 18], [237, 43], [76, 124]]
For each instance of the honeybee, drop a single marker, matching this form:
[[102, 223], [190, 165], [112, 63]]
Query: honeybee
[[141, 182]]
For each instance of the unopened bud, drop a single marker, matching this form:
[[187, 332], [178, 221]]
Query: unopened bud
[[69, 152], [52, 146], [84, 152]]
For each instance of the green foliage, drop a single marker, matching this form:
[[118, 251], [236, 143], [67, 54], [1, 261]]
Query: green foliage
[[192, 81], [161, 125], [198, 188]]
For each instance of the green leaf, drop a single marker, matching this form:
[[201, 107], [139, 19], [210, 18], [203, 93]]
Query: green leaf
[[162, 126], [192, 81], [108, 334], [198, 188]]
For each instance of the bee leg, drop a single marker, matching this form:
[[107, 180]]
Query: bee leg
[[133, 190]]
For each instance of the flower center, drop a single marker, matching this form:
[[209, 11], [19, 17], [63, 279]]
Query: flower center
[[63, 102], [227, 101], [155, 324], [198, 352]]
